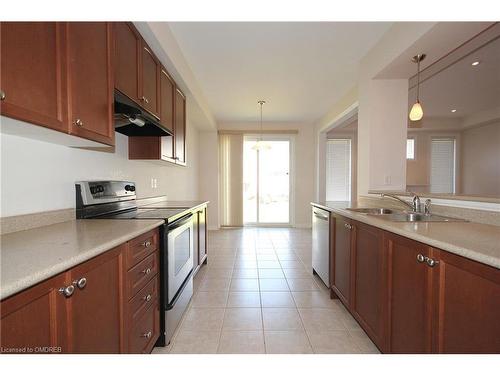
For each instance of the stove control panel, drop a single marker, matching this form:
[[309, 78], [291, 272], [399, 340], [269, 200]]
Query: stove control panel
[[96, 192]]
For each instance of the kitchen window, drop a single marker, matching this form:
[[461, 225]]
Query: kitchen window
[[410, 149], [442, 165], [338, 170]]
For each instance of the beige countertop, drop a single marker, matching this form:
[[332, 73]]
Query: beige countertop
[[30, 256], [479, 242], [149, 203]]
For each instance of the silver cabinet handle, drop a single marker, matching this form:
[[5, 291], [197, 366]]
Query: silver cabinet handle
[[81, 283], [147, 271], [431, 262], [420, 258], [67, 291], [145, 100], [78, 122], [147, 335], [146, 244], [2, 95], [147, 298], [348, 226]]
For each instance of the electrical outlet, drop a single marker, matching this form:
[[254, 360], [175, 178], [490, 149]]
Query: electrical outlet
[[154, 183], [387, 180]]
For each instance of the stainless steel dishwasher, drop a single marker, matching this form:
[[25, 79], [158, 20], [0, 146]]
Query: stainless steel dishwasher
[[321, 244]]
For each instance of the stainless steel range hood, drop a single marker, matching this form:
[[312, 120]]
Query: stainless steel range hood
[[133, 121]]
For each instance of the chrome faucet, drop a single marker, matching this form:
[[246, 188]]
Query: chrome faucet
[[414, 206]]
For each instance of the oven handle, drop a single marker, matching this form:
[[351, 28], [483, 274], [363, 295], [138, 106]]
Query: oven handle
[[180, 222]]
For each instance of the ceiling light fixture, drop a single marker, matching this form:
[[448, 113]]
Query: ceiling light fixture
[[417, 112], [260, 144], [453, 110], [476, 63]]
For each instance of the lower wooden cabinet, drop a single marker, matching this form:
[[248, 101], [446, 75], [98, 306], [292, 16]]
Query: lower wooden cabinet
[[34, 321], [409, 289], [200, 237], [86, 309], [465, 305], [369, 278], [412, 298], [341, 258]]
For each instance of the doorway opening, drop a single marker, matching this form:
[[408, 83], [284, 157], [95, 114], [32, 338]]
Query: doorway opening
[[267, 180]]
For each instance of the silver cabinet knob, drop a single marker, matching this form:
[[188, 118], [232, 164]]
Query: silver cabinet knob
[[67, 291], [2, 95], [147, 335], [420, 258], [145, 100], [78, 122], [81, 283], [147, 271], [431, 262], [147, 298], [146, 244]]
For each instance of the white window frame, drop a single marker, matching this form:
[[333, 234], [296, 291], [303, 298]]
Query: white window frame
[[414, 148], [331, 140]]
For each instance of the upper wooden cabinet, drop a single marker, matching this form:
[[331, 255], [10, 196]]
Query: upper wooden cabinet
[[180, 127], [90, 80], [59, 75], [137, 69], [32, 73], [150, 81], [167, 93], [127, 56]]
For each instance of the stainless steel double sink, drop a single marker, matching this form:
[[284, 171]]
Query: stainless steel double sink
[[403, 216]]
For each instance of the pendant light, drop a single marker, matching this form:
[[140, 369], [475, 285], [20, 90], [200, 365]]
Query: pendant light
[[260, 144], [417, 112]]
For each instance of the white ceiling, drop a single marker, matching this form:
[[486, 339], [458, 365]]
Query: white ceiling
[[301, 69], [466, 88]]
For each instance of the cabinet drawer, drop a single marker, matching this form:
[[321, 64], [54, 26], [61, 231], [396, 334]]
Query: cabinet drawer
[[145, 332], [143, 300], [140, 247], [139, 275]]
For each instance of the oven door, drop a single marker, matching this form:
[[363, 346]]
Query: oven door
[[180, 254]]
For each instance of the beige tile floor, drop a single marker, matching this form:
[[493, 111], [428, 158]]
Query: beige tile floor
[[258, 295]]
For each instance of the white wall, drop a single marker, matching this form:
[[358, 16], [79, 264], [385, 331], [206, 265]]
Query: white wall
[[481, 161], [304, 159], [38, 176]]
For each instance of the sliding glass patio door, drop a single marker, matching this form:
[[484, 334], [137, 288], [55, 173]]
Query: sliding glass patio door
[[266, 180]]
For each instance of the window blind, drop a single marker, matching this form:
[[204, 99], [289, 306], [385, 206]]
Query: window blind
[[443, 165], [338, 170]]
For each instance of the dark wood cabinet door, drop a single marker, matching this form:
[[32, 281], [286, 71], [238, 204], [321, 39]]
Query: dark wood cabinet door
[[180, 128], [150, 90], [95, 310], [167, 93], [35, 319], [342, 259], [32, 75], [409, 318], [466, 306], [202, 235], [90, 80], [126, 62], [370, 281]]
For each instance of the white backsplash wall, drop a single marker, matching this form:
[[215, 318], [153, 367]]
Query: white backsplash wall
[[38, 176]]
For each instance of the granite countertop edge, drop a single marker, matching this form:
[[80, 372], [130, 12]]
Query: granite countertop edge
[[392, 227], [32, 279]]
